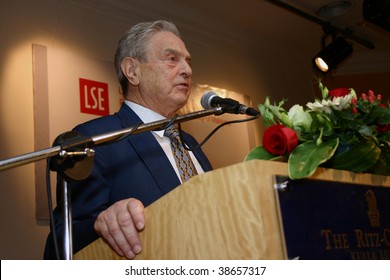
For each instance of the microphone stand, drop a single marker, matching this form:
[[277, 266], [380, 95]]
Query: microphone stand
[[72, 157]]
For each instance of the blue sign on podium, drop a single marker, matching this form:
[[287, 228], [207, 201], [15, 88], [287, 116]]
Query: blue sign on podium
[[325, 220]]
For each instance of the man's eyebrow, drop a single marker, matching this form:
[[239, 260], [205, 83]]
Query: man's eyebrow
[[169, 51]]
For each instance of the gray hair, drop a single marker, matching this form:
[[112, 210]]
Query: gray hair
[[134, 44]]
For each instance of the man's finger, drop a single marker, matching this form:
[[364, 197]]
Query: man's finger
[[136, 210]]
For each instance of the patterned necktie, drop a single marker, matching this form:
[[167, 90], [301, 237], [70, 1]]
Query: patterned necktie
[[182, 157]]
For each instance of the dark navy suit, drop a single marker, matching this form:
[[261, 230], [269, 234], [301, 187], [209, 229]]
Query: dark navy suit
[[134, 167]]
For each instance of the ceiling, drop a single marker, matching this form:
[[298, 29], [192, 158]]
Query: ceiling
[[268, 20], [258, 25]]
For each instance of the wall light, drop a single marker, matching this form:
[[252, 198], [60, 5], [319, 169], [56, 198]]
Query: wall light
[[332, 55]]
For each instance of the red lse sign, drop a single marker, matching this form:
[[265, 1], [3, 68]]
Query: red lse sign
[[94, 97]]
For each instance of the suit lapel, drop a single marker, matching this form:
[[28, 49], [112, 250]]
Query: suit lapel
[[198, 153], [150, 152]]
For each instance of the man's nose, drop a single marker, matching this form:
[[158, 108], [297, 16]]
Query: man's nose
[[186, 68]]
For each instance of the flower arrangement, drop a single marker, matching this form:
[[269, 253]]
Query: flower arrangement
[[340, 131]]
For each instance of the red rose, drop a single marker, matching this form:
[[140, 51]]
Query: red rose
[[279, 140], [338, 92], [382, 128]]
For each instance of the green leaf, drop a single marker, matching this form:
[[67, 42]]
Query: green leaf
[[360, 157], [267, 115], [366, 130], [306, 157], [272, 114], [259, 153], [321, 124], [324, 90], [379, 115], [385, 137]]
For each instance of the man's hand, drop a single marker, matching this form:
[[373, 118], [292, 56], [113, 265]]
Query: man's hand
[[119, 226]]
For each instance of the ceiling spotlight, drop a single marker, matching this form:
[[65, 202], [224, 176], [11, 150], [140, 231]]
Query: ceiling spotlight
[[333, 55]]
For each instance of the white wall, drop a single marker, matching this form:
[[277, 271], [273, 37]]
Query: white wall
[[93, 33]]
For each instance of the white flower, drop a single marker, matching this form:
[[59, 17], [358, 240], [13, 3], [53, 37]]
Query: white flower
[[300, 119], [340, 103], [326, 105], [320, 107]]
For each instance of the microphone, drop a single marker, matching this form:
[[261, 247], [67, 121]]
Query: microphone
[[211, 99]]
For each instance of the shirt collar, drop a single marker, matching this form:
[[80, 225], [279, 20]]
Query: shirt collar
[[146, 115]]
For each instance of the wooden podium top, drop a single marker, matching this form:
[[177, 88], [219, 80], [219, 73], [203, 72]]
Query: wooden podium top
[[228, 213]]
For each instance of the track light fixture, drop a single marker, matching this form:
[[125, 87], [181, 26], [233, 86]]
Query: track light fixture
[[332, 55]]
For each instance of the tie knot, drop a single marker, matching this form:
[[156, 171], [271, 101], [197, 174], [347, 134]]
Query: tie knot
[[171, 131]]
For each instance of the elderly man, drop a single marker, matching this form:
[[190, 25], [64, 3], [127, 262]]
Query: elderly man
[[153, 68]]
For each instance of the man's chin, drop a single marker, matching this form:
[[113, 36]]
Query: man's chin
[[181, 97], [180, 103]]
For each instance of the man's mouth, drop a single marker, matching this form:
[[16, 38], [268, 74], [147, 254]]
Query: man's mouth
[[186, 85]]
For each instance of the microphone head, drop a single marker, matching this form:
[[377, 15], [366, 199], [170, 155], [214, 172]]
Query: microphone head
[[205, 101], [252, 112]]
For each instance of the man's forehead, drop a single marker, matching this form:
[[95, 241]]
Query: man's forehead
[[167, 42]]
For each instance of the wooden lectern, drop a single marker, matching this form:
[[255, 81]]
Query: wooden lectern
[[228, 213]]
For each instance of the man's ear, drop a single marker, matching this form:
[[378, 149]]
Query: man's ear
[[129, 67]]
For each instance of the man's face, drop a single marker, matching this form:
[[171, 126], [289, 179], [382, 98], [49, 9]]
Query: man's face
[[165, 77]]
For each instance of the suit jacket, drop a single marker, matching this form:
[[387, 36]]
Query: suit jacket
[[133, 167]]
